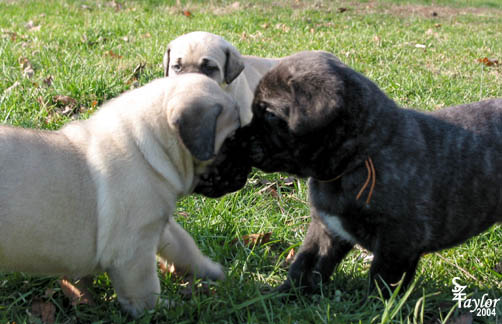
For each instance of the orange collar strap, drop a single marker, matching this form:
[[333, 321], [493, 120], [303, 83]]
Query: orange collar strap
[[371, 178]]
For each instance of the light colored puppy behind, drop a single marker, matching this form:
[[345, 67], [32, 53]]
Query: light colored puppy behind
[[98, 194], [210, 54]]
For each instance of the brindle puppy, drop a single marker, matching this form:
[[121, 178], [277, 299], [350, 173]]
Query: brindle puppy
[[396, 181]]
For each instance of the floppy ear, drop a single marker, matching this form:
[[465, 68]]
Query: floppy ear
[[233, 64], [312, 108], [196, 125], [165, 61]]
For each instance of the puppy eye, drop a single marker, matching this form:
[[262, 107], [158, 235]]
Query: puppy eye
[[269, 115], [176, 67], [209, 69]]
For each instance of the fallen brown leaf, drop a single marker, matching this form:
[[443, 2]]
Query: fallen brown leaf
[[290, 257], [64, 100], [78, 294], [48, 81], [254, 239], [162, 264], [488, 62], [46, 311], [113, 54], [24, 62]]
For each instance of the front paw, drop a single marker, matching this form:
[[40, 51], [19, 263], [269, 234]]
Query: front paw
[[291, 286], [210, 270]]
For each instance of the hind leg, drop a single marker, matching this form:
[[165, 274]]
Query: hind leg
[[176, 246], [390, 267]]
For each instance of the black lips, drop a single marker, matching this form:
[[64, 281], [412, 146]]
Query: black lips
[[229, 170]]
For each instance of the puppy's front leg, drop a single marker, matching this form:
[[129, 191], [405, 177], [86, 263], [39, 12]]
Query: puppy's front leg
[[136, 283], [320, 252], [178, 247]]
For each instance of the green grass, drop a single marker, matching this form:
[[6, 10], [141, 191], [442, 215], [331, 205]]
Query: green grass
[[90, 50]]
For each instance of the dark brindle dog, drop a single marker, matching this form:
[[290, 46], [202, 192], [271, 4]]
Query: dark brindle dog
[[396, 181]]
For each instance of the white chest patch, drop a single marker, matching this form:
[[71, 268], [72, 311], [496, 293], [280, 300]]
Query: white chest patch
[[334, 224]]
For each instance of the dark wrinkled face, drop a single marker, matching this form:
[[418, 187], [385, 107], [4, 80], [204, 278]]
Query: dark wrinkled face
[[229, 171], [292, 129], [290, 120], [273, 147]]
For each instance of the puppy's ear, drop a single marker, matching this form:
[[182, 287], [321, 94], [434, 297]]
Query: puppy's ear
[[165, 61], [311, 107], [233, 64], [196, 126]]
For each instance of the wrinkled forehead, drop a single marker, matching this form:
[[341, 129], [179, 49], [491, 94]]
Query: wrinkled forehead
[[195, 88], [193, 50]]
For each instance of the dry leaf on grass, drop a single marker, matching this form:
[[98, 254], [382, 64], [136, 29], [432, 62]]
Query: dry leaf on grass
[[254, 239], [488, 62], [45, 310], [113, 54], [162, 265], [66, 103], [48, 81], [290, 257], [78, 294]]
